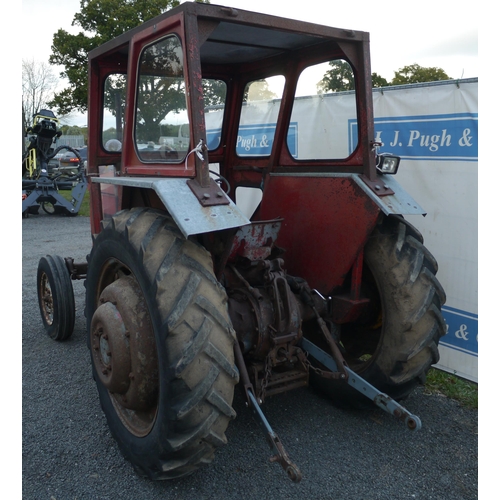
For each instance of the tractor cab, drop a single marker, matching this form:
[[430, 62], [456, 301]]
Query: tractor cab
[[246, 229]]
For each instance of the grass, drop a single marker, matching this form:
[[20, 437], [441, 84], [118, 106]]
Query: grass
[[451, 386], [84, 207]]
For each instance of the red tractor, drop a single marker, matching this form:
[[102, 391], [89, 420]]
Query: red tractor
[[244, 230]]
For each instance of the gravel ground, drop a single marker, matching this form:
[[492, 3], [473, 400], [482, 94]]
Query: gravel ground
[[68, 452]]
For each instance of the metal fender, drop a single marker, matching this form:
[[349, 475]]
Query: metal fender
[[399, 203], [190, 216], [328, 218]]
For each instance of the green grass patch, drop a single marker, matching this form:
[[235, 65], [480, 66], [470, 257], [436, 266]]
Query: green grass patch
[[451, 386], [84, 207]]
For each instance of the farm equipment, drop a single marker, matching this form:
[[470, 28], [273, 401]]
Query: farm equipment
[[321, 282], [41, 183]]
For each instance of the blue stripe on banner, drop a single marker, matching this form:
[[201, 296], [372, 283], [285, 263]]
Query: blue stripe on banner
[[256, 140], [428, 137], [461, 331]]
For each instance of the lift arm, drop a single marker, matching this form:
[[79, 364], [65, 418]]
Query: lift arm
[[360, 384]]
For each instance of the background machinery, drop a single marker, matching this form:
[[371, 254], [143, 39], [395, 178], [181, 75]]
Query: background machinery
[[42, 183]]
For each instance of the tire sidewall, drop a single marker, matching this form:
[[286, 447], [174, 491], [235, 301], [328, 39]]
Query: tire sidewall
[[115, 246], [62, 297], [389, 258]]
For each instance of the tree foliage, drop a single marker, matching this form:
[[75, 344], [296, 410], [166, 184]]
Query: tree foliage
[[415, 73], [341, 78], [100, 21], [378, 81], [337, 79]]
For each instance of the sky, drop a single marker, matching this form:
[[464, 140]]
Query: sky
[[435, 33]]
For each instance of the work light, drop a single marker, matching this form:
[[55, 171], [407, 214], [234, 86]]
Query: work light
[[387, 163]]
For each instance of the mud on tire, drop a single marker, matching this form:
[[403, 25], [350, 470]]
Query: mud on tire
[[394, 346], [170, 412]]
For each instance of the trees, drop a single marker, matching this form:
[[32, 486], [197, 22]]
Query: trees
[[337, 79], [341, 78], [100, 21], [378, 81], [38, 84], [415, 73]]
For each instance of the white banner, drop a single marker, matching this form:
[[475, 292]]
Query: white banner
[[434, 129]]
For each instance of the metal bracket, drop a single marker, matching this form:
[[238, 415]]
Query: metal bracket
[[47, 190], [379, 187], [382, 400], [209, 196]]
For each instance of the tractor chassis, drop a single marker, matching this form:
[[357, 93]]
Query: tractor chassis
[[256, 390]]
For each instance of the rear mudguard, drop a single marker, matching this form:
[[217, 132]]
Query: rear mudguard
[[327, 220], [327, 217], [183, 206]]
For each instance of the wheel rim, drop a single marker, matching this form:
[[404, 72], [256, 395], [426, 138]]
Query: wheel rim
[[46, 299], [124, 348]]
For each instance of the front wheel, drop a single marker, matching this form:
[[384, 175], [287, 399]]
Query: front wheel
[[55, 297], [395, 343], [161, 344]]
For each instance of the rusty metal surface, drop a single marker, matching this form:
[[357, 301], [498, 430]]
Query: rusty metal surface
[[256, 240], [77, 270], [208, 196], [46, 299], [124, 353]]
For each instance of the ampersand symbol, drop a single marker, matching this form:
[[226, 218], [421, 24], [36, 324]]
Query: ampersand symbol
[[465, 140], [263, 142], [462, 333]]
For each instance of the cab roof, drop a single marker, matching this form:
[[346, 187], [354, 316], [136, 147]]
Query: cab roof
[[229, 36]]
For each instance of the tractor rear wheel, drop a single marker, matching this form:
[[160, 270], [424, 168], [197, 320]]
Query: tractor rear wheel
[[394, 345], [161, 344], [55, 297]]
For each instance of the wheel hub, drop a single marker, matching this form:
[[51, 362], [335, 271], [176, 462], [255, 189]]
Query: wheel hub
[[47, 299], [111, 348], [124, 347]]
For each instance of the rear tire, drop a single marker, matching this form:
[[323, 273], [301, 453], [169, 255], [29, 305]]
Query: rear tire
[[55, 297], [394, 346], [159, 328]]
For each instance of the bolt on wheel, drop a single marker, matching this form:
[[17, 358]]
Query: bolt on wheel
[[161, 344]]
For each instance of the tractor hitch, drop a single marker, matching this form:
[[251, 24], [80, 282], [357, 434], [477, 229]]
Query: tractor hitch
[[272, 438], [275, 444]]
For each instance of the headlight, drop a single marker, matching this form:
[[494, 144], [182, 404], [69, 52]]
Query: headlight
[[387, 164]]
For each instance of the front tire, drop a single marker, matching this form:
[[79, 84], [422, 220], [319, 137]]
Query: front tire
[[161, 343], [55, 297], [394, 345]]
